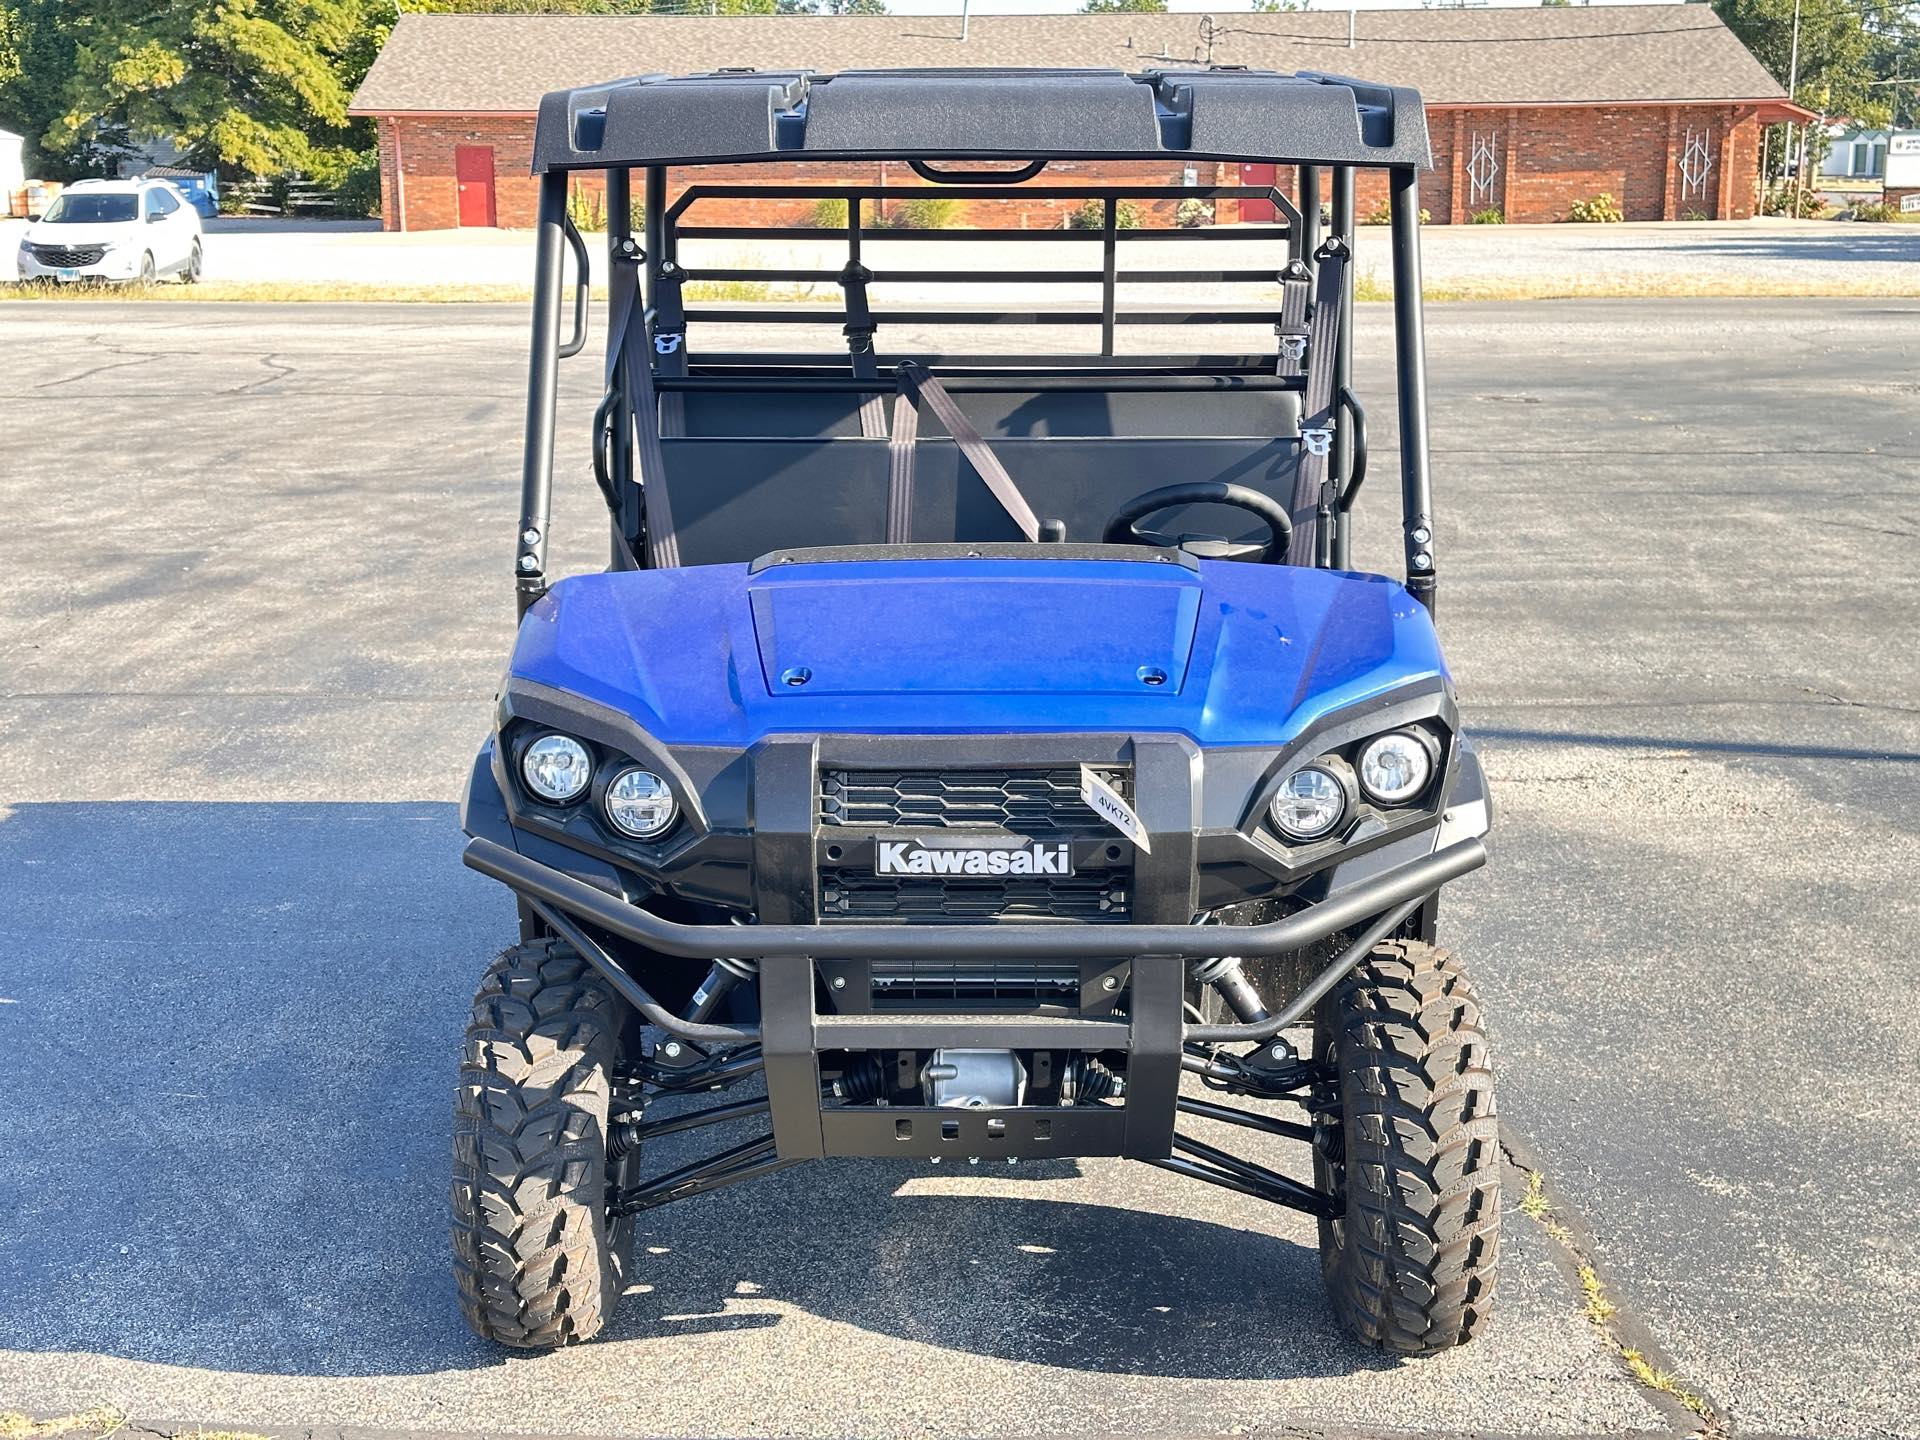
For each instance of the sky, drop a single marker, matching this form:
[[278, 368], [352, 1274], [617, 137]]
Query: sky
[[1061, 7]]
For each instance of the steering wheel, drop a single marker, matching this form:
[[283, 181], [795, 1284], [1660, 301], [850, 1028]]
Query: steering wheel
[[1124, 527]]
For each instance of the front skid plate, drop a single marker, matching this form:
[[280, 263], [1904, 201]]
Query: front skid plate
[[1026, 1133]]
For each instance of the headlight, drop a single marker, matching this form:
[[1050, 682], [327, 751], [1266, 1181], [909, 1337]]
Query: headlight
[[1395, 768], [640, 804], [1309, 804], [557, 768]]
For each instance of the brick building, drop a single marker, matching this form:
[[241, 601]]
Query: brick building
[[1531, 109]]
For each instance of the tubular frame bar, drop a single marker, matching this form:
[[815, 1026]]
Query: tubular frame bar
[[632, 991], [745, 1161], [850, 384], [1297, 1008], [1222, 234], [1279, 1188], [1106, 319], [1395, 892], [974, 277], [699, 1119], [1343, 447], [1410, 358], [1246, 1185], [1228, 1115], [543, 384], [748, 361], [621, 277]]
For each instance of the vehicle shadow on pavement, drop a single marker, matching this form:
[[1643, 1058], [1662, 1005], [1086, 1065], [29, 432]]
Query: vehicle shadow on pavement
[[228, 1041], [1074, 1282]]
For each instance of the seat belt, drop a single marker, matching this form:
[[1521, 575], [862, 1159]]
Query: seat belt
[[1317, 410], [906, 433], [1296, 287], [859, 333], [917, 381], [636, 373]]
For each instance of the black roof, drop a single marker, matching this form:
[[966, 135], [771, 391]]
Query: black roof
[[979, 114]]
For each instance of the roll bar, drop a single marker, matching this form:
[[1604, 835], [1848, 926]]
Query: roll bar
[[650, 291]]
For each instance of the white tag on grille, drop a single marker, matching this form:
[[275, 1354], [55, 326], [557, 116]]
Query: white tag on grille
[[1106, 802]]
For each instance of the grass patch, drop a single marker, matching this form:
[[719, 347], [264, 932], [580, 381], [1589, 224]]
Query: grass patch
[[1600, 1310], [1534, 1204], [275, 292], [99, 1422], [1666, 1383]]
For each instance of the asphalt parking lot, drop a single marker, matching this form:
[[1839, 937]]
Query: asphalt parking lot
[[259, 598]]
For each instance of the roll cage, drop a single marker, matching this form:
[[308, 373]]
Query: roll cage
[[682, 487]]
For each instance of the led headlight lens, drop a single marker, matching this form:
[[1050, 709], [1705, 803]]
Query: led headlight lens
[[640, 804], [1309, 804], [557, 768], [1394, 768]]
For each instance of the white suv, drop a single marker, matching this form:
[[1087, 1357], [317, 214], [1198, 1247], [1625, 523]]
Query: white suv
[[114, 230]]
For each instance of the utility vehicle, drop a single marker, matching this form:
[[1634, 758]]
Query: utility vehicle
[[972, 755]]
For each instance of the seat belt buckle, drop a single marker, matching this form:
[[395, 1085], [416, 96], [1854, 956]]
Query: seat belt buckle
[[1293, 345], [1318, 439]]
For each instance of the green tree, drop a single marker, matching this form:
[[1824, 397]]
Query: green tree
[[1841, 54], [251, 86], [1277, 7], [1124, 7], [36, 54]]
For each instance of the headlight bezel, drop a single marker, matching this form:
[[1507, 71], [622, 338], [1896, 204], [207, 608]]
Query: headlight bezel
[[1335, 746]]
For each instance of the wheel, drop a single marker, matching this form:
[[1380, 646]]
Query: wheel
[[538, 1261], [1412, 1155], [191, 275], [146, 270]]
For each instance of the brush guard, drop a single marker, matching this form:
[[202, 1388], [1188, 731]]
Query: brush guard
[[810, 1121]]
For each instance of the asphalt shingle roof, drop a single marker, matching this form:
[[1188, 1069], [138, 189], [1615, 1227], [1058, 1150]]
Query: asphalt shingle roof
[[480, 64]]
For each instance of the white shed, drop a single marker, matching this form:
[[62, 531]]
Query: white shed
[[13, 173]]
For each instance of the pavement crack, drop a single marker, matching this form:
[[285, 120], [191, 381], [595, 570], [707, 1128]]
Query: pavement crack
[[280, 369], [129, 358], [1629, 1338]]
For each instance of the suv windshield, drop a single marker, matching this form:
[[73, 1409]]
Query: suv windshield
[[71, 209]]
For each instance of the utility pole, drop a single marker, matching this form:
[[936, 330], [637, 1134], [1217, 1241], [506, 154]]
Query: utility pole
[[1793, 84]]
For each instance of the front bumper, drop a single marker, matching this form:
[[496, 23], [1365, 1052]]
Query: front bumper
[[1152, 1036], [115, 265]]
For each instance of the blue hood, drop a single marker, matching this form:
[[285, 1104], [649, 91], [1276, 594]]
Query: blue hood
[[1229, 654]]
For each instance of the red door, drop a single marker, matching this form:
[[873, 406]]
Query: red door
[[473, 175], [1255, 209]]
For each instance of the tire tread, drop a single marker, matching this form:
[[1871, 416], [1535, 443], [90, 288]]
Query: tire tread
[[1411, 1266]]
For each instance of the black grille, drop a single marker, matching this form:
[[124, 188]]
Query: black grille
[[976, 982], [1091, 895], [1041, 804], [69, 256]]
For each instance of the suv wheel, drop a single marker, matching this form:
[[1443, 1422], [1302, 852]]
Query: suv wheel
[[1412, 1152], [191, 275], [146, 270], [538, 1261]]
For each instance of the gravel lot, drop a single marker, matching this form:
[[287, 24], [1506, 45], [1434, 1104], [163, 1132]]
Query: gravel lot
[[1784, 256], [262, 603]]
